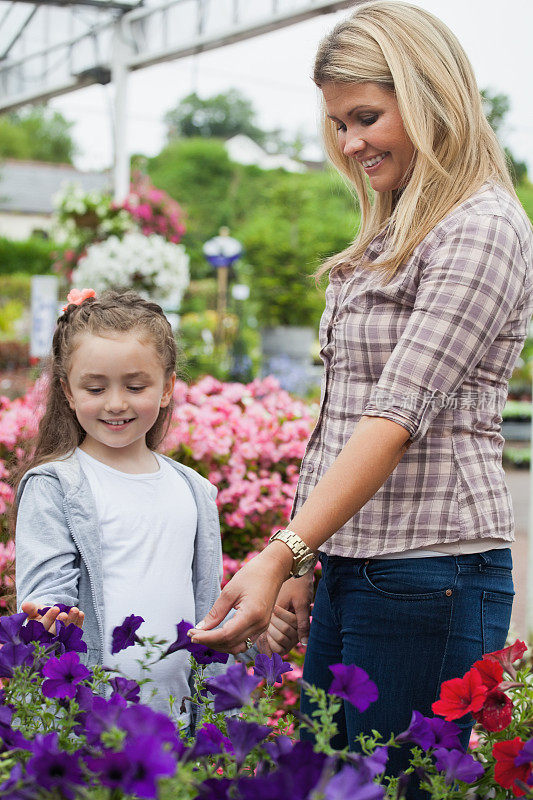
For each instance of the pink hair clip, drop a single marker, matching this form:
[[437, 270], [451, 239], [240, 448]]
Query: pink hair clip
[[77, 296]]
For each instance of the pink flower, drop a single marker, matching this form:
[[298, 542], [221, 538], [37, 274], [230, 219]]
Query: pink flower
[[77, 296]]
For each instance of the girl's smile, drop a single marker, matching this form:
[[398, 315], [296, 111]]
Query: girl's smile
[[370, 129], [117, 386]]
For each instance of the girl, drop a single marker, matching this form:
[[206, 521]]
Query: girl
[[104, 523], [402, 490]]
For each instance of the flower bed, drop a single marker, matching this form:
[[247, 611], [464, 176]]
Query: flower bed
[[69, 731]]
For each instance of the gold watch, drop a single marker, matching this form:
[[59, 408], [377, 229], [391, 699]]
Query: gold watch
[[304, 559]]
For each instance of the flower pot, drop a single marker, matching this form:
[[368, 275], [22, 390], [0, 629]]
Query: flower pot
[[287, 355]]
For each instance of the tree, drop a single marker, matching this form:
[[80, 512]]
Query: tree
[[496, 108], [36, 133], [218, 117]]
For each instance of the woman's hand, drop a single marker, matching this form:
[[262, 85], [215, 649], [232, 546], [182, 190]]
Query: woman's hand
[[296, 595], [281, 635], [252, 592], [74, 616]]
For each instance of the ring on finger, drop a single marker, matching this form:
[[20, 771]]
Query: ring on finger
[[248, 642]]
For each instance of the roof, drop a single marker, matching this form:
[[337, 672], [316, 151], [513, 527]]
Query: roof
[[28, 187], [244, 150]]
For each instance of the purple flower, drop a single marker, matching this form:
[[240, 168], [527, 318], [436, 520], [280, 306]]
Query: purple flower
[[430, 732], [298, 774], [63, 609], [103, 716], [280, 746], [140, 720], [525, 755], [201, 653], [149, 762], [353, 783], [209, 741], [371, 765], [14, 787], [70, 637], [353, 684], [14, 655], [10, 628], [457, 766], [129, 690], [113, 769], [10, 739], [53, 769], [63, 674], [215, 789], [125, 635], [244, 736], [271, 669], [34, 631], [233, 689]]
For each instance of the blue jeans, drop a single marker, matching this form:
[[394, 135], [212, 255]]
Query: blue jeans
[[411, 624]]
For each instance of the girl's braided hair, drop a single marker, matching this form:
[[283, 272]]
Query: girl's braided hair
[[114, 312]]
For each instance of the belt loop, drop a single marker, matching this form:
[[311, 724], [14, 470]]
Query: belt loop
[[485, 561]]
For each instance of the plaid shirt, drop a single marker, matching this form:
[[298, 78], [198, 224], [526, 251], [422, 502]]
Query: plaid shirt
[[432, 350]]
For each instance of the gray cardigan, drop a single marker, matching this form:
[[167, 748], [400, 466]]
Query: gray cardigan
[[58, 547]]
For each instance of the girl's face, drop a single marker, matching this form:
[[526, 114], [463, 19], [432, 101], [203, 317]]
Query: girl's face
[[370, 129], [116, 386]]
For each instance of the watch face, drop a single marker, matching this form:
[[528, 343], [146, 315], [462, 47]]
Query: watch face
[[305, 564]]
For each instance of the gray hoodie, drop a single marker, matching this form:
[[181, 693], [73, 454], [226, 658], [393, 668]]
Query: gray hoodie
[[58, 546]]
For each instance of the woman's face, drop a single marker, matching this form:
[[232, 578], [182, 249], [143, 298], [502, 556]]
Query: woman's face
[[370, 129]]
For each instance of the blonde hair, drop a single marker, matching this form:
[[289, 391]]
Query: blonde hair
[[407, 50]]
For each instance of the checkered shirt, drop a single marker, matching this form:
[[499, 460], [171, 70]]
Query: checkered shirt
[[432, 350]]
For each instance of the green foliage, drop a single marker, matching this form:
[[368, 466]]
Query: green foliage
[[218, 117], [33, 256], [36, 133], [525, 195], [496, 108], [300, 221]]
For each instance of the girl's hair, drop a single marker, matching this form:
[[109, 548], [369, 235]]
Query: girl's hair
[[407, 50], [114, 312]]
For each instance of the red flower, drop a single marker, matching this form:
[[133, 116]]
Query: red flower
[[491, 672], [461, 695], [505, 771], [497, 711], [506, 656]]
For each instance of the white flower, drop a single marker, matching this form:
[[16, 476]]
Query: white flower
[[148, 264]]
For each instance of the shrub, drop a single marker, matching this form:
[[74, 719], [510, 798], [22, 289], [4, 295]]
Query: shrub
[[33, 256]]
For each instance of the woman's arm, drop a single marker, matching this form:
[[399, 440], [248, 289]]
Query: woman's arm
[[364, 464]]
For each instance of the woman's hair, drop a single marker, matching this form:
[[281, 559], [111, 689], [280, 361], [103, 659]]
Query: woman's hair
[[114, 312], [407, 50]]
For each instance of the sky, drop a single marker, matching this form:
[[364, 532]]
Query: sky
[[273, 72]]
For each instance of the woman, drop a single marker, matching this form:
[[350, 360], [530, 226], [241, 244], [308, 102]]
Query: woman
[[401, 490]]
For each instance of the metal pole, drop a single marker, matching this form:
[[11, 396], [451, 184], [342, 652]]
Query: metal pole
[[222, 302], [119, 76]]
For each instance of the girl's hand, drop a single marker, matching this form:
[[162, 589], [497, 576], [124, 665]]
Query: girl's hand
[[282, 633], [74, 616]]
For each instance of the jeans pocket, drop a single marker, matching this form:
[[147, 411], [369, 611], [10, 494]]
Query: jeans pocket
[[496, 610], [411, 579]]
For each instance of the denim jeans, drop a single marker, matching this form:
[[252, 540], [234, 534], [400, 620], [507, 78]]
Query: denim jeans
[[410, 624]]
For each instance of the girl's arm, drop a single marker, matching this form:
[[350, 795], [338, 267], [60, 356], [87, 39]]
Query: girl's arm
[[366, 461], [47, 559]]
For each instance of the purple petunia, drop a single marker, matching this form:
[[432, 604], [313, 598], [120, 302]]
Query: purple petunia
[[128, 689], [233, 689], [457, 766], [63, 609], [140, 720], [215, 789], [113, 769], [34, 631], [353, 684], [54, 769], [10, 628], [201, 653], [63, 674], [244, 736], [70, 637], [525, 755], [429, 732], [125, 635], [298, 773], [10, 739], [103, 716], [14, 655], [209, 742], [149, 762], [271, 669], [353, 783]]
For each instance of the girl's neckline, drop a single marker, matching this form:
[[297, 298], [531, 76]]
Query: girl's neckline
[[134, 475]]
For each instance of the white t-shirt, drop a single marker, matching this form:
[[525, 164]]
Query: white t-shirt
[[148, 526]]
